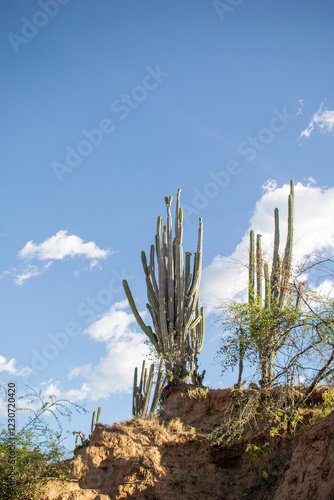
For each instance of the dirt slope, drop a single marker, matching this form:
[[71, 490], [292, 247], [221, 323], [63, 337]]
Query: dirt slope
[[166, 458]]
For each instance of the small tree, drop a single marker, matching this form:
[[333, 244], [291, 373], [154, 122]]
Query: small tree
[[271, 313], [173, 299], [263, 325], [39, 449]]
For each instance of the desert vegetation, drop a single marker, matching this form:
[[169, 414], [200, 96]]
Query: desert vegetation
[[281, 335]]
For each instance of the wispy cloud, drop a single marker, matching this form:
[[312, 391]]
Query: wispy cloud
[[226, 277], [323, 120], [55, 248]]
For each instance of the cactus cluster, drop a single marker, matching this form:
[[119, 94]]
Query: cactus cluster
[[271, 297], [173, 298], [94, 423], [81, 435], [142, 392], [275, 285]]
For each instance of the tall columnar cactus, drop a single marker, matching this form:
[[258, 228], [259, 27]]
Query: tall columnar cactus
[[173, 298], [275, 292]]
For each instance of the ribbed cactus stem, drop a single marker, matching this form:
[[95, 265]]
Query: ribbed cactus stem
[[275, 264], [258, 269], [141, 383], [135, 394], [187, 267], [267, 292], [133, 306], [148, 388], [152, 272], [144, 262], [93, 421], [287, 260], [170, 271], [202, 331], [173, 296], [251, 268], [98, 415], [158, 387]]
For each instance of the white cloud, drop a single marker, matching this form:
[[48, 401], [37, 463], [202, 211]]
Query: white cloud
[[322, 119], [225, 277], [125, 350], [62, 245], [9, 367], [53, 249]]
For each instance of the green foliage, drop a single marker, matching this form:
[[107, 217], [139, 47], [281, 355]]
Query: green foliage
[[198, 393], [255, 451], [36, 452], [236, 321], [328, 402], [38, 460]]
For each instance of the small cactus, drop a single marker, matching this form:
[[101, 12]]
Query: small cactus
[[94, 424], [142, 392]]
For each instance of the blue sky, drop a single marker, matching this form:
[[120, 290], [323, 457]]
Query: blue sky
[[109, 106]]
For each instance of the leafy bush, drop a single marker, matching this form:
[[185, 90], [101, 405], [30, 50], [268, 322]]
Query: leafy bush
[[35, 454]]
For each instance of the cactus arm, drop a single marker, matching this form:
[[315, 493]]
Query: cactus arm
[[258, 269], [170, 271], [162, 291], [202, 331], [275, 265], [287, 260], [133, 306], [158, 387], [187, 268], [251, 273], [134, 398], [98, 415], [144, 263], [148, 390], [155, 324], [266, 286], [198, 260], [141, 383], [152, 337], [152, 272], [153, 300], [93, 421], [177, 220], [195, 322], [179, 275], [188, 286], [179, 287]]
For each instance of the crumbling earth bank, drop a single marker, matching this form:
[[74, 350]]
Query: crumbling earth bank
[[162, 459], [311, 474]]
